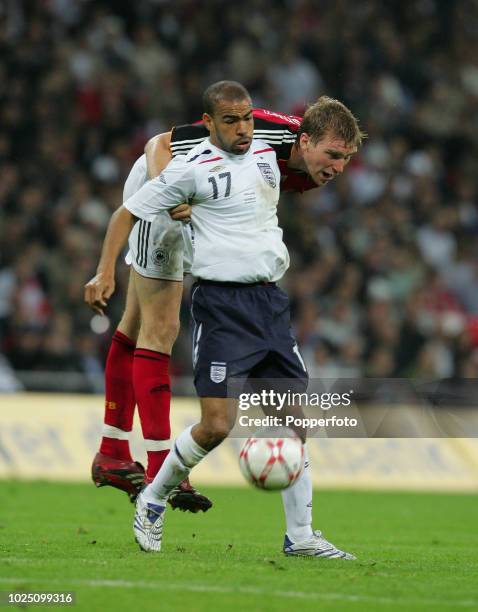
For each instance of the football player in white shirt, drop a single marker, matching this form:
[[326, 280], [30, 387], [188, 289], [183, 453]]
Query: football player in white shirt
[[310, 151], [241, 318]]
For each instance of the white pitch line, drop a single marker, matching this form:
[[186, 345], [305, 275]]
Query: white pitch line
[[205, 588]]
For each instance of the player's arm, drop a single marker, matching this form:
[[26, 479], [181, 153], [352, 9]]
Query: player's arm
[[101, 287], [175, 185], [150, 199], [158, 155]]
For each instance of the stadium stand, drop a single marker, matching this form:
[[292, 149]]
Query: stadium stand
[[384, 276]]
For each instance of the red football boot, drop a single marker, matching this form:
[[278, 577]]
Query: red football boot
[[186, 498], [127, 476]]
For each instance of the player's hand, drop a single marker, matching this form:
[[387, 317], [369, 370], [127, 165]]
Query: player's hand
[[181, 213], [98, 290]]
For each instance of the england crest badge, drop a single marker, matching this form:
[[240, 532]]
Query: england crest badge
[[218, 371], [267, 174]]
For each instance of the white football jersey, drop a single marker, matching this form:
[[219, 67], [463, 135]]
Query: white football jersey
[[234, 198]]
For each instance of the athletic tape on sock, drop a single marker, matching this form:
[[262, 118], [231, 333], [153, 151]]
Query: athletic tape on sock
[[157, 445], [109, 431]]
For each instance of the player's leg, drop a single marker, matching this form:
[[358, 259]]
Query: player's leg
[[159, 304], [286, 365], [119, 394], [189, 448], [158, 260], [113, 464], [222, 344]]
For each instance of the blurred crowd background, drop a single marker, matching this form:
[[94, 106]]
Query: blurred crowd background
[[384, 276]]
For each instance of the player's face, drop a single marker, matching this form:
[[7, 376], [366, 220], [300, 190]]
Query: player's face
[[326, 159], [231, 126]]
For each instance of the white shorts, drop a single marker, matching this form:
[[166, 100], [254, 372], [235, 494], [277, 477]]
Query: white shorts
[[160, 249]]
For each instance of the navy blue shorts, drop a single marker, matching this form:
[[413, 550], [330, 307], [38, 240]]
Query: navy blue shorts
[[241, 331]]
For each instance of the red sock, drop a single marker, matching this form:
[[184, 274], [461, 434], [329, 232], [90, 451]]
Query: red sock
[[152, 388], [119, 396]]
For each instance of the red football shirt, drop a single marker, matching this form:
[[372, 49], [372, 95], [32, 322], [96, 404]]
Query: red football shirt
[[276, 129]]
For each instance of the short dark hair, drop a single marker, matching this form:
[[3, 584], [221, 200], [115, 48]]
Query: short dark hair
[[329, 116], [230, 91]]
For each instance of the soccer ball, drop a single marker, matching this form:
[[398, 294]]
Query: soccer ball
[[272, 463]]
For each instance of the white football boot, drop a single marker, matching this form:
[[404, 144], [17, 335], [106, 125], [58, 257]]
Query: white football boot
[[315, 546], [148, 525]]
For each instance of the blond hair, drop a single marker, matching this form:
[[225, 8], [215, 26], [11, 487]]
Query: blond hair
[[329, 116]]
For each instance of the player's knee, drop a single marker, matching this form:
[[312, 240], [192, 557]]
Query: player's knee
[[162, 331], [171, 329]]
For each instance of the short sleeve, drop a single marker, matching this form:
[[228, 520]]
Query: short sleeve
[[277, 130], [174, 186], [186, 137]]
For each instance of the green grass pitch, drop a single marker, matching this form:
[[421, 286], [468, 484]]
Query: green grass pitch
[[415, 551]]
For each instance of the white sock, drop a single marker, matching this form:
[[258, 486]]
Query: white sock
[[297, 502], [184, 455]]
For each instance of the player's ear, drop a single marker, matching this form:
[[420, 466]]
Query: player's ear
[[207, 120], [304, 141]]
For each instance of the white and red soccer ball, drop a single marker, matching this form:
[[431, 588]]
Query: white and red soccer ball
[[272, 463]]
